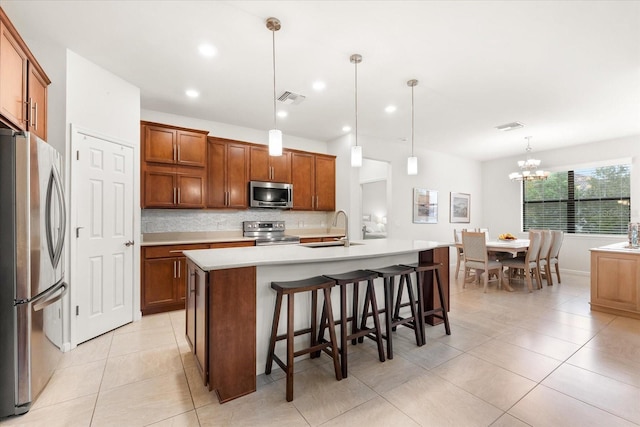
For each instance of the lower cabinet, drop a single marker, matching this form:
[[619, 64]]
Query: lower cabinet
[[164, 275], [221, 328], [615, 282]]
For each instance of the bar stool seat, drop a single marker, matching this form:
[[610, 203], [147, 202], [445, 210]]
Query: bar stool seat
[[358, 332], [392, 318], [290, 288], [424, 267]]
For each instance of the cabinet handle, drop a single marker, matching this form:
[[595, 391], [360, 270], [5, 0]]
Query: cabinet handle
[[179, 268], [178, 195], [178, 157], [174, 269], [174, 195], [178, 251], [35, 121], [317, 201], [175, 157]]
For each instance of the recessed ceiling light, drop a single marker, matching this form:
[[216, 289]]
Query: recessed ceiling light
[[319, 85], [346, 128], [207, 50], [390, 108], [282, 114], [191, 93], [510, 126]]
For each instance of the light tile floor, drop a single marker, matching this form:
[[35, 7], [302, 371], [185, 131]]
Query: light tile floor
[[513, 359]]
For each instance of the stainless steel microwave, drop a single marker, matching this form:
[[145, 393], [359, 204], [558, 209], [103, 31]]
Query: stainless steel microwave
[[270, 195]]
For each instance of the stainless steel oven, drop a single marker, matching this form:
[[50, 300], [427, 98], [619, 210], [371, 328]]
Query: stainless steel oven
[[268, 233]]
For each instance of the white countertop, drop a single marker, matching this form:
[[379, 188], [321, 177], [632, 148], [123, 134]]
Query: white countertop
[[216, 259], [622, 247]]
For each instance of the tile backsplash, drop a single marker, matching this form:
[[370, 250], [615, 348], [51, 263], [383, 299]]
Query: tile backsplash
[[184, 220]]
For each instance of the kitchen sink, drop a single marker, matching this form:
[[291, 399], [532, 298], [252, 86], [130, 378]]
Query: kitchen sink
[[328, 244]]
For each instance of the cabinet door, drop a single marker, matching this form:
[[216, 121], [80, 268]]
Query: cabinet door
[[190, 185], [190, 306], [281, 168], [325, 183], [13, 79], [237, 169], [159, 288], [216, 184], [159, 188], [191, 149], [302, 177], [37, 115], [260, 170], [201, 332], [159, 144]]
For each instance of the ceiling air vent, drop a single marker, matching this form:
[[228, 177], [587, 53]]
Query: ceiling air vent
[[291, 98], [510, 126]]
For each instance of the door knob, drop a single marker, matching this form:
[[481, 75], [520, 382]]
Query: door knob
[[129, 243]]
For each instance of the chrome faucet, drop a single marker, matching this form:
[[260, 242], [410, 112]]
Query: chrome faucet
[[345, 239]]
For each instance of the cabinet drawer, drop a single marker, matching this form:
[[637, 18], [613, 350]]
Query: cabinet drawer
[[220, 245], [170, 251]]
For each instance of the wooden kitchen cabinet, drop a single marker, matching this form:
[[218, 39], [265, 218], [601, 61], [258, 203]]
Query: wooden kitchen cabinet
[[228, 177], [313, 178], [615, 282], [172, 187], [164, 278], [174, 172], [23, 83], [264, 167], [164, 275]]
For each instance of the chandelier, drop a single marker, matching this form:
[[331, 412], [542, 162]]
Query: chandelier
[[529, 168]]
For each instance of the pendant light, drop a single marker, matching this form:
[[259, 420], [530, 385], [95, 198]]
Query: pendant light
[[412, 162], [356, 150], [275, 135], [529, 168]]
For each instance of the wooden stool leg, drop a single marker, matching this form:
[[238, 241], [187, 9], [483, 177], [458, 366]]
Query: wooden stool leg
[[412, 302], [365, 314], [396, 311], [290, 339], [445, 316], [332, 334], [388, 305], [419, 285], [354, 311], [371, 294], [343, 329], [314, 319], [274, 333]]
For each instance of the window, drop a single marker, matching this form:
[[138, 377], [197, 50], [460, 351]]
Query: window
[[587, 201]]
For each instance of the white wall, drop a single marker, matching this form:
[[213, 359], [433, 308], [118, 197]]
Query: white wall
[[503, 200]]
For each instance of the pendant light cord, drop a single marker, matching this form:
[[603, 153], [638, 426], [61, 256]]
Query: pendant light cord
[[273, 33], [356, 85], [412, 121]]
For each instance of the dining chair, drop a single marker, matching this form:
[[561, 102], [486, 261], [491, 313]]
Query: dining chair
[[543, 255], [485, 231], [476, 257], [457, 238], [554, 252], [528, 263]]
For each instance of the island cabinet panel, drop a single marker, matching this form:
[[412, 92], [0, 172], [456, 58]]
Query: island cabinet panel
[[615, 282], [270, 168], [228, 163], [430, 290], [232, 332]]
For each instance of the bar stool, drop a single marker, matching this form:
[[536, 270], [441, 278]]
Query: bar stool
[[392, 320], [357, 332], [313, 284], [434, 268]]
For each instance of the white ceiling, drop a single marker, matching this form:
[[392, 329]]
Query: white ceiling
[[569, 70]]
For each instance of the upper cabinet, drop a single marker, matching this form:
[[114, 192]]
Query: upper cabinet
[[23, 83], [269, 168], [174, 172], [176, 146], [314, 181], [228, 174]]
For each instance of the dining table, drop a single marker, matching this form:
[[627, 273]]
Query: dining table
[[513, 247]]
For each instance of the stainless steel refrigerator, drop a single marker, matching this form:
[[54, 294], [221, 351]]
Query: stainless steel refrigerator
[[32, 231]]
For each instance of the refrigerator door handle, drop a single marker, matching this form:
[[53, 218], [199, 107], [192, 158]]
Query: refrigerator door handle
[[43, 300], [55, 249]]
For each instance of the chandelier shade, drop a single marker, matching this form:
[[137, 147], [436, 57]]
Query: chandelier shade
[[529, 168]]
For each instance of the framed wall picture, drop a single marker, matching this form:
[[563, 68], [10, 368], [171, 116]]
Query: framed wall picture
[[460, 207], [425, 206]]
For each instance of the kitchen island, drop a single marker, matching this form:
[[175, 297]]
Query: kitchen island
[[615, 280], [230, 301]]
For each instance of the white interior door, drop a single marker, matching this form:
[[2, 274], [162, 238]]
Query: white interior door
[[103, 178]]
